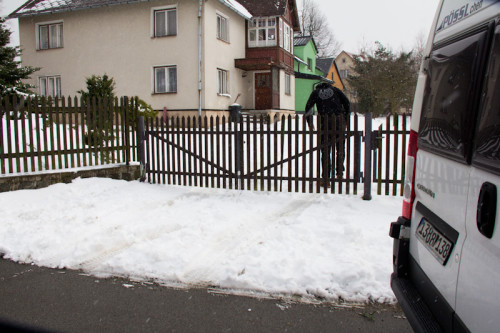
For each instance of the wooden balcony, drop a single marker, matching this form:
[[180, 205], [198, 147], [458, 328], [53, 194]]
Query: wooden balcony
[[263, 58]]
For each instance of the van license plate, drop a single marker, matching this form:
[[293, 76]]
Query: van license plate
[[434, 241]]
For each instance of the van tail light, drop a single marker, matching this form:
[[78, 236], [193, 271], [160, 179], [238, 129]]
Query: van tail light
[[409, 184]]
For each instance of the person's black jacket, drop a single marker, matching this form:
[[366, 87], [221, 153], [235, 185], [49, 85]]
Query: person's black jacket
[[328, 100]]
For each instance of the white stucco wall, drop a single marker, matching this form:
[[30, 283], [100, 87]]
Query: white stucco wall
[[287, 101], [220, 54], [117, 41]]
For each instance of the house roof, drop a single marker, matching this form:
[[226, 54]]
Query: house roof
[[301, 40], [273, 8], [238, 8], [36, 7], [315, 77], [324, 64]]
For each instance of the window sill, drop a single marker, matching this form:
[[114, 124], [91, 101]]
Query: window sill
[[224, 95], [223, 40], [164, 93], [51, 48], [166, 36]]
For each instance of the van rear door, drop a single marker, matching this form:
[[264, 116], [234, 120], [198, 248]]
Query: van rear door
[[478, 293], [455, 72]]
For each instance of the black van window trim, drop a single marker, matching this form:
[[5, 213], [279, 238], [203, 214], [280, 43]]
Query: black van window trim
[[474, 97], [477, 160]]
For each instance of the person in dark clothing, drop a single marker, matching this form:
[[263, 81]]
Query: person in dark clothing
[[331, 103]]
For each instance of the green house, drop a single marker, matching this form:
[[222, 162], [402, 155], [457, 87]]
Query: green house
[[306, 72]]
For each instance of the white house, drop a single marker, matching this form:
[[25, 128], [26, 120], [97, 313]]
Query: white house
[[188, 56]]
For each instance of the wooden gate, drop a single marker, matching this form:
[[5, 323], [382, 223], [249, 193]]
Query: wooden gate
[[255, 153]]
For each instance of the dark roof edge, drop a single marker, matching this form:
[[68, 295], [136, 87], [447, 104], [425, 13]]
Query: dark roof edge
[[299, 75], [68, 8]]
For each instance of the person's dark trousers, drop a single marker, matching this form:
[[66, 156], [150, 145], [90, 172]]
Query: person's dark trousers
[[327, 134]]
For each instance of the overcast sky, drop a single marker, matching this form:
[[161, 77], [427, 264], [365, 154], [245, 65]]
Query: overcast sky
[[394, 23], [356, 24]]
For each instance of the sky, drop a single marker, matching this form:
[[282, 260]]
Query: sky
[[356, 24], [305, 247], [394, 23]]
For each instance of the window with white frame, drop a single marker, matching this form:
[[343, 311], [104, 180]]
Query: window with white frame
[[164, 22], [49, 86], [262, 32], [222, 28], [286, 36], [288, 83], [50, 36], [165, 79], [281, 33], [222, 82]]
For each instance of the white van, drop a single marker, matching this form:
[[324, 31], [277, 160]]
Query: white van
[[446, 244]]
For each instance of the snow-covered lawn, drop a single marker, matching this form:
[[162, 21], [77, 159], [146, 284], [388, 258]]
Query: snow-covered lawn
[[310, 245]]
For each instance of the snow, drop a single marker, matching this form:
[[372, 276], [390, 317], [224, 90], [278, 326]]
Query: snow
[[332, 247], [238, 8]]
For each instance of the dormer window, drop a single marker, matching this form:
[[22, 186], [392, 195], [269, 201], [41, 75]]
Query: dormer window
[[262, 32]]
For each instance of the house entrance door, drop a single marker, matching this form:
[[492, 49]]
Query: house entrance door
[[263, 91]]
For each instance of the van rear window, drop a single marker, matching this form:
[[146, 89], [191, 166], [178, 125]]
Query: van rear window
[[487, 148], [450, 104]]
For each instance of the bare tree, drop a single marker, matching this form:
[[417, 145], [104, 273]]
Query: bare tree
[[418, 50], [314, 23]]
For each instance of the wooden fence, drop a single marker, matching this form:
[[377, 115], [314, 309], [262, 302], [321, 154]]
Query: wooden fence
[[255, 153], [260, 153], [389, 154], [52, 134]]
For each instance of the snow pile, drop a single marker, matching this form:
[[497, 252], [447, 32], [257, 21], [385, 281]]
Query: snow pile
[[313, 245]]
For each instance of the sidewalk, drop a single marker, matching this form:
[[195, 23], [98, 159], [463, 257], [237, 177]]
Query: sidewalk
[[69, 301]]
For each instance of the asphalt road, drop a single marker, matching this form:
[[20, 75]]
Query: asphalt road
[[35, 298]]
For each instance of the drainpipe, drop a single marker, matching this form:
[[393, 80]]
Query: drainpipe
[[200, 8]]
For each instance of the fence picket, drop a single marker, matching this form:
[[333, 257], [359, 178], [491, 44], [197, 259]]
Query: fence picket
[[71, 136], [39, 130], [357, 155], [184, 159], [8, 118], [379, 162], [3, 112], [387, 156], [32, 155], [224, 142], [21, 116], [289, 135], [403, 157], [395, 156], [297, 175], [15, 117]]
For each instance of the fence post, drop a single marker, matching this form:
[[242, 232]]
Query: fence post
[[239, 150], [140, 147], [367, 174]]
